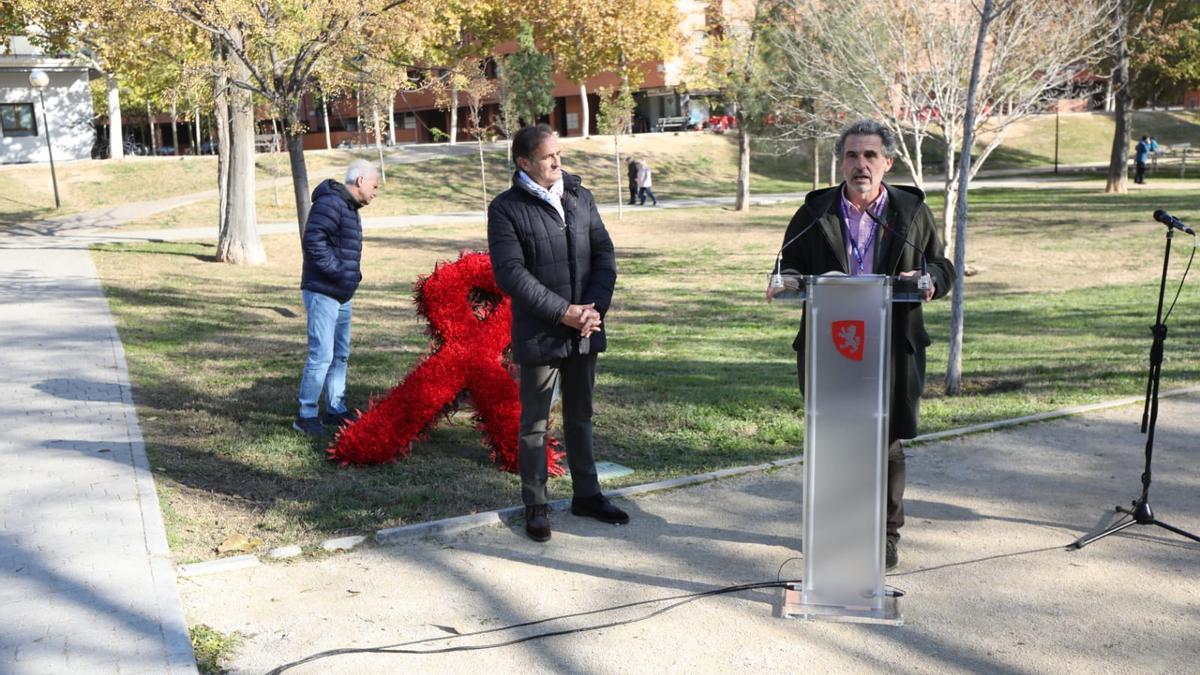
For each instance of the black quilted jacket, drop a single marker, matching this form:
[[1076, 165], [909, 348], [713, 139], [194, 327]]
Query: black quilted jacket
[[545, 266]]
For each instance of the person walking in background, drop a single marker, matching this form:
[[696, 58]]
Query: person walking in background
[[332, 246], [631, 166], [553, 256], [645, 183], [1141, 154]]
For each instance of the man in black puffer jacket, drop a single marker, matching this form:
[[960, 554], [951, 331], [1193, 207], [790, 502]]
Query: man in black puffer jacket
[[332, 258], [551, 254]]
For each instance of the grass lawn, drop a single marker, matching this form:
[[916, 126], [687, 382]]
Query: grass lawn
[[700, 374], [1083, 138], [685, 165], [26, 192]]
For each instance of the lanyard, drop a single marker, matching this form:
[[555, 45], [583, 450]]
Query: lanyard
[[859, 253]]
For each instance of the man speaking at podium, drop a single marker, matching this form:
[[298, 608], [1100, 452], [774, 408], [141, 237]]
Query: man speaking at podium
[[865, 226]]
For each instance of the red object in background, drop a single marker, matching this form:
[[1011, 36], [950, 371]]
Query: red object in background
[[471, 339], [722, 122]]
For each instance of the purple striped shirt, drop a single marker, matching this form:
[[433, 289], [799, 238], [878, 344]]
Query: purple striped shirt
[[861, 229]]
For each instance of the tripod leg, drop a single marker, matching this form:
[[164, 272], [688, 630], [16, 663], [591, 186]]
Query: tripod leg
[[1087, 539], [1176, 530]]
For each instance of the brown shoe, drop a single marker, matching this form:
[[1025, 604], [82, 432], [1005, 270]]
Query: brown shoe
[[537, 522]]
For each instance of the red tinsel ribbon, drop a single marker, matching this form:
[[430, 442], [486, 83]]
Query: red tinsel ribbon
[[469, 355]]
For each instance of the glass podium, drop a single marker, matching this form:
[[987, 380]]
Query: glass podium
[[847, 396]]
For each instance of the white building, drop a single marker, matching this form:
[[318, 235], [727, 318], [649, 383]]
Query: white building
[[68, 107]]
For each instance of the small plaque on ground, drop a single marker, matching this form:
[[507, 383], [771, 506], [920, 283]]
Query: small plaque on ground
[[611, 470]]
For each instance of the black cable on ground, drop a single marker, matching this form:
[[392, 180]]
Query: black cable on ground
[[396, 649]]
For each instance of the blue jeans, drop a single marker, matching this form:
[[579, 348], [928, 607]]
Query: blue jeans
[[328, 352]]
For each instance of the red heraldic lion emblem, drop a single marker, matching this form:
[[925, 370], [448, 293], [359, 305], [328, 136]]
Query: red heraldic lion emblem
[[850, 338], [470, 342]]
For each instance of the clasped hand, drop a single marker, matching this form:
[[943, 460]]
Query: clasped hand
[[583, 318]]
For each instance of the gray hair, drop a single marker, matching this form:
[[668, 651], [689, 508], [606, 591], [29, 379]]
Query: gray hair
[[867, 128], [360, 168]]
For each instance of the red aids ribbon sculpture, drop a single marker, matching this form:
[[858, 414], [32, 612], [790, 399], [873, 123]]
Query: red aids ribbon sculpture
[[468, 355]]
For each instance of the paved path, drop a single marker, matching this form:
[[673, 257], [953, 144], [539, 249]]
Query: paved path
[[990, 586], [86, 581]]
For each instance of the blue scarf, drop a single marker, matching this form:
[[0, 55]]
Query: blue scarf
[[553, 196]]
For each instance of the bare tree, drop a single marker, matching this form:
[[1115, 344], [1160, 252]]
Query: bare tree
[[987, 15], [907, 64]]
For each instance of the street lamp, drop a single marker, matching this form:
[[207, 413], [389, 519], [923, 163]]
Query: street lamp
[[38, 79]]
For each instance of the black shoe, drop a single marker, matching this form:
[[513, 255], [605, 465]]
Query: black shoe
[[892, 556], [598, 507], [338, 420], [537, 522], [310, 426]]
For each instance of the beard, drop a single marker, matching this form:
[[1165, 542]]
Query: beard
[[861, 188]]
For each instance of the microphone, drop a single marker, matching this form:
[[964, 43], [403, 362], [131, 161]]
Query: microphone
[[777, 278], [1172, 222], [925, 281]]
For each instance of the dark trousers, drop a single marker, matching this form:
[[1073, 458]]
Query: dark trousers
[[577, 375], [633, 191], [642, 196], [895, 489], [1139, 175]]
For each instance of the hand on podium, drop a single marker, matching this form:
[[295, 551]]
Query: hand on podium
[[781, 283], [924, 283]]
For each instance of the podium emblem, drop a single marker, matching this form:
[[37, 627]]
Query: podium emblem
[[850, 338]]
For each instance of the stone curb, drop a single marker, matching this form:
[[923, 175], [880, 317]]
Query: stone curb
[[237, 562], [174, 629], [447, 527]]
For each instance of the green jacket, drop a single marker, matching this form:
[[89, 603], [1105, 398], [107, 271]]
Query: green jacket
[[823, 249]]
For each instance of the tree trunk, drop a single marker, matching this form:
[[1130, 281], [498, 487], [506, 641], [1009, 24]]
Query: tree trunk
[[391, 122], [954, 365], [241, 245], [116, 135], [816, 178], [742, 201], [483, 178], [950, 197], [620, 193], [1118, 163], [379, 144], [360, 140], [275, 161], [950, 194], [295, 146], [325, 112], [196, 131], [585, 116], [453, 115], [153, 139], [175, 127], [833, 160], [221, 127]]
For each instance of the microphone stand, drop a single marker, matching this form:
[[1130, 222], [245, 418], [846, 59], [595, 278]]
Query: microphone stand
[[1141, 513]]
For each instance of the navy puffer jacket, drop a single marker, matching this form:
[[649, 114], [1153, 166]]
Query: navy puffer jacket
[[546, 266], [333, 243]]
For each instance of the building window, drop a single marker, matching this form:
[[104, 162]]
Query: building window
[[16, 119]]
